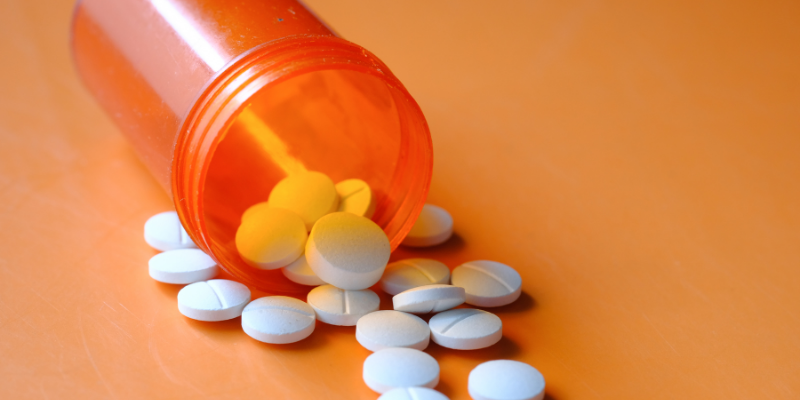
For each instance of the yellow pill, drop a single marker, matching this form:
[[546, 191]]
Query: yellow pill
[[356, 197], [271, 238], [309, 194], [347, 251], [253, 209]]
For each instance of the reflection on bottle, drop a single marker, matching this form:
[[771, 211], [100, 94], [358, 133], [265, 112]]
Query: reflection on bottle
[[270, 142]]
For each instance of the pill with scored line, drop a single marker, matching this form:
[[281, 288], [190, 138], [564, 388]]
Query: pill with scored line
[[413, 272], [356, 197], [429, 298], [466, 329], [340, 306], [488, 283], [164, 232]]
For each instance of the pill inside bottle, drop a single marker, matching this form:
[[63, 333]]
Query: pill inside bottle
[[220, 116], [305, 124]]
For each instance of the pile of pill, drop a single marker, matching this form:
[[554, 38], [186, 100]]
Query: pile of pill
[[320, 234]]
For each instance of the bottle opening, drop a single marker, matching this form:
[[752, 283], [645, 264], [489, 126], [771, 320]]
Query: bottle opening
[[341, 122]]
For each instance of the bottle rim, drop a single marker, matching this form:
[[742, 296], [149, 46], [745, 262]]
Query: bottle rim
[[227, 94]]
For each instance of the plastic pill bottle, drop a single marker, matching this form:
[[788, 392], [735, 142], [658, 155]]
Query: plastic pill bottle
[[222, 99]]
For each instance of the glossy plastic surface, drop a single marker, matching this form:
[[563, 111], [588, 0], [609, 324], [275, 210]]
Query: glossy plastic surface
[[636, 161], [221, 101]]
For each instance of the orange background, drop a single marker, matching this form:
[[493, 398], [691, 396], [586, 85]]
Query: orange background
[[636, 161]]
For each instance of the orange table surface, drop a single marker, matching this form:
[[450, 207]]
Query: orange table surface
[[637, 162]]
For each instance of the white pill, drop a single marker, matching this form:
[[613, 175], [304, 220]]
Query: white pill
[[300, 272], [428, 299], [466, 329], [413, 272], [392, 368], [278, 319], [164, 232], [488, 283], [342, 307], [182, 266], [309, 194], [271, 238], [347, 251], [355, 196], [505, 380], [214, 300], [387, 328], [412, 393], [434, 226]]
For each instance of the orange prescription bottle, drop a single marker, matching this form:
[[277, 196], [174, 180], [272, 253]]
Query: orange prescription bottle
[[222, 99]]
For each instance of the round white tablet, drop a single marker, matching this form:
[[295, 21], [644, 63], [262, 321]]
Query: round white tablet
[[342, 307], [466, 329], [355, 196], [164, 232], [433, 226], [428, 299], [309, 194], [387, 328], [413, 272], [391, 368], [182, 266], [300, 272], [214, 300], [278, 319], [347, 251], [488, 283], [271, 238], [505, 380], [412, 393]]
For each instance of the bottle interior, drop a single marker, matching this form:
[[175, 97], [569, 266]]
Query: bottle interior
[[340, 122]]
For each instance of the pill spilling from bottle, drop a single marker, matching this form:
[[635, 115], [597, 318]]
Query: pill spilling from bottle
[[319, 233]]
